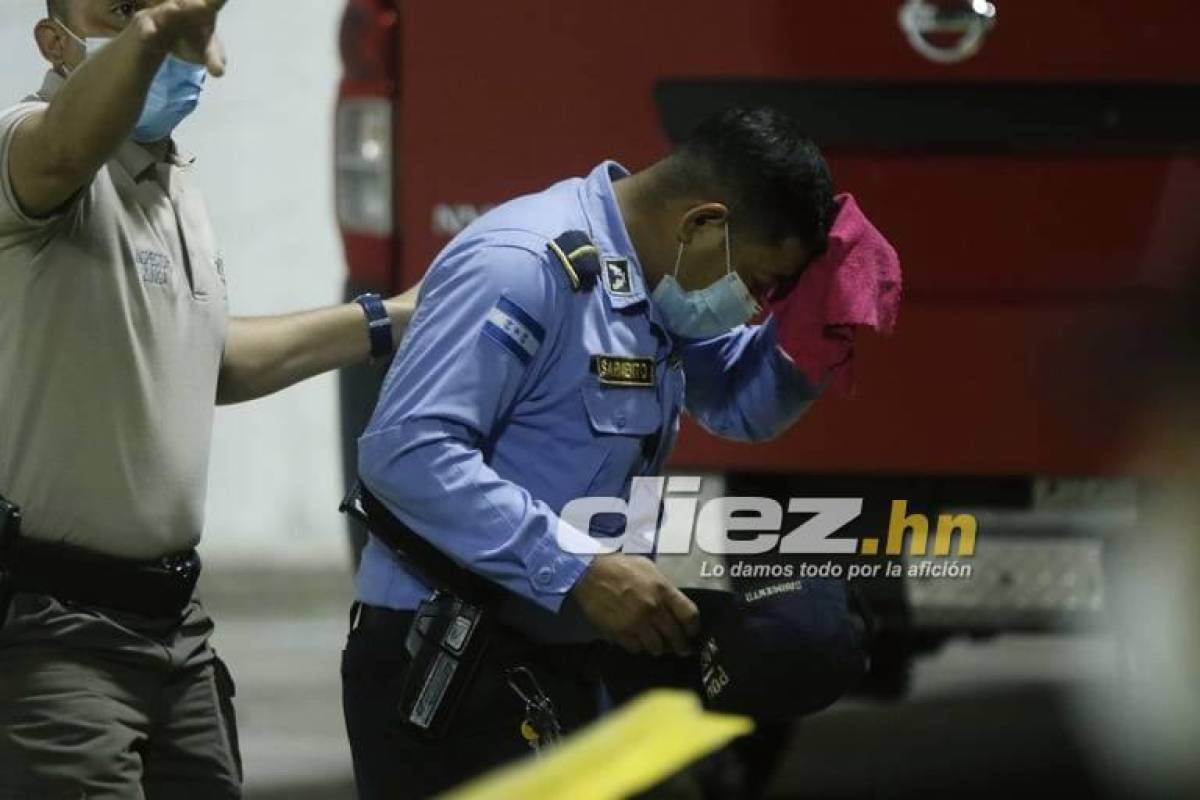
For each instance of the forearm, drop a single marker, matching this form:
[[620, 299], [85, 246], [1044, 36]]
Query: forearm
[[266, 354], [433, 478], [97, 108], [57, 151], [743, 387]]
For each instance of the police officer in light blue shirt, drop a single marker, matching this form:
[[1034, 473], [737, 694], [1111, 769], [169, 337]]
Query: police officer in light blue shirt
[[557, 341]]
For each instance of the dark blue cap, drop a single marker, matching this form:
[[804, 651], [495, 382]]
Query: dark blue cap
[[773, 652]]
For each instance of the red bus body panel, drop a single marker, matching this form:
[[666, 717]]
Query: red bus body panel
[[1012, 262]]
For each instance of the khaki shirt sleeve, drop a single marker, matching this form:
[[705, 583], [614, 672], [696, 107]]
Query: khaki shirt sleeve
[[13, 218]]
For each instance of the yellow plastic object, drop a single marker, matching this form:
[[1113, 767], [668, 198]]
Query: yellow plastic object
[[624, 753]]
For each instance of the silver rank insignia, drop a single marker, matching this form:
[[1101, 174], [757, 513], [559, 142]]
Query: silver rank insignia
[[616, 275], [623, 370]]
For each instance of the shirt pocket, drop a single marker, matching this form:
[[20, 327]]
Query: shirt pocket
[[625, 425]]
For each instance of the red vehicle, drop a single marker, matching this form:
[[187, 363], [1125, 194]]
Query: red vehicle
[[1034, 164]]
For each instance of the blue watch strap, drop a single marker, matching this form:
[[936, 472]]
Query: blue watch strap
[[379, 324]]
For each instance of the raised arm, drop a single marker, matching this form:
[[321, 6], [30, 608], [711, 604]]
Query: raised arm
[[55, 151], [741, 386]]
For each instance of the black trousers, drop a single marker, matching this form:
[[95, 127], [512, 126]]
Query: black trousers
[[391, 761]]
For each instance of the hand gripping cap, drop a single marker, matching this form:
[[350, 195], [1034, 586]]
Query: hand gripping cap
[[777, 652]]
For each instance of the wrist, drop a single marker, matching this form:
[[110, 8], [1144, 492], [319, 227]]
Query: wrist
[[594, 567], [400, 312], [380, 325]]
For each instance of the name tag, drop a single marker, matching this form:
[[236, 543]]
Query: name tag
[[623, 371]]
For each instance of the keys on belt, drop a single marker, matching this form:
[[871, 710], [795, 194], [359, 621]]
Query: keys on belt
[[540, 727]]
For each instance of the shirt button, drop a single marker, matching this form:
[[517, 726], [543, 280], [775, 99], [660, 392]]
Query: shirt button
[[544, 575], [621, 421]]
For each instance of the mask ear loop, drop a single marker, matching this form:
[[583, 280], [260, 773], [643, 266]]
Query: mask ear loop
[[728, 251], [678, 259], [70, 33], [729, 267]]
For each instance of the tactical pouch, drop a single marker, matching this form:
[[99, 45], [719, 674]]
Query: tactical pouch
[[447, 642]]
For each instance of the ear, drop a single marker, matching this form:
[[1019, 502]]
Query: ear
[[52, 42], [701, 216]]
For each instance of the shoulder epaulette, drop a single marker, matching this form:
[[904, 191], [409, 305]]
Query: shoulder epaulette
[[579, 258]]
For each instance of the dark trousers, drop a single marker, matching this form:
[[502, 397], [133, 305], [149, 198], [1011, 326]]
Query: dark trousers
[[391, 761], [111, 706]]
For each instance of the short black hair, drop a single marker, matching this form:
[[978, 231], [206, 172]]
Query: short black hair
[[772, 176], [57, 9]]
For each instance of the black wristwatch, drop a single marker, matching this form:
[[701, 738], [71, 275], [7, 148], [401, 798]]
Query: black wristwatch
[[379, 325]]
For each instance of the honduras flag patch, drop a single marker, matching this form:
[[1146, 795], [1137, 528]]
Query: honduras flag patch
[[514, 329]]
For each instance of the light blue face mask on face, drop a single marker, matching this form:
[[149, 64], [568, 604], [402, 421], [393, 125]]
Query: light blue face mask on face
[[711, 311], [174, 93]]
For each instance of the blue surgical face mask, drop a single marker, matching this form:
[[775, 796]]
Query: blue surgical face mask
[[174, 93], [711, 311]]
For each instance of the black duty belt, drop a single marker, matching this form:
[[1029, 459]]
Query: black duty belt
[[161, 588], [580, 658], [453, 632]]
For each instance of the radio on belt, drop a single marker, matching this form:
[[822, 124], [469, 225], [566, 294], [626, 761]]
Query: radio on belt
[[446, 644], [450, 632]]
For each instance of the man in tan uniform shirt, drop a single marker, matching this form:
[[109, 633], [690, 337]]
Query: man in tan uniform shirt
[[115, 346]]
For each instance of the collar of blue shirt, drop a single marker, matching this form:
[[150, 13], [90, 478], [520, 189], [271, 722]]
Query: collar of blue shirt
[[622, 272]]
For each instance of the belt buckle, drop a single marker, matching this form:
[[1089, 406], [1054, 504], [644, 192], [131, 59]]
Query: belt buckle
[[183, 565]]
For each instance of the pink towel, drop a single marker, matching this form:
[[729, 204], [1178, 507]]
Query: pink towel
[[855, 282]]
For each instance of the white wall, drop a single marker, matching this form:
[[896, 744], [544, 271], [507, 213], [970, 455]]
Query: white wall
[[263, 137]]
